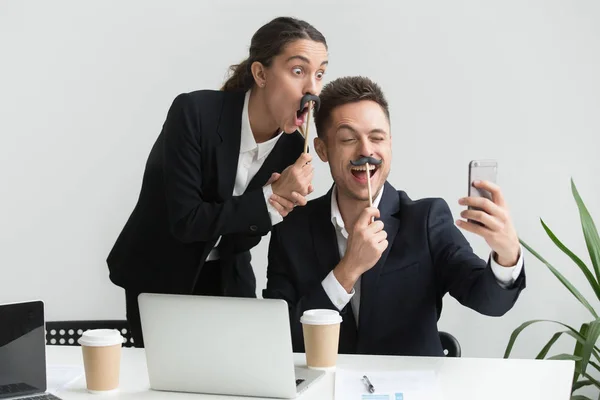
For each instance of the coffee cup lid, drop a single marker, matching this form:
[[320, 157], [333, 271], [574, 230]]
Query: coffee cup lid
[[321, 317], [101, 337]]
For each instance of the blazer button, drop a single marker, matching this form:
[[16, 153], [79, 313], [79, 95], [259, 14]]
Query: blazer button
[[253, 228]]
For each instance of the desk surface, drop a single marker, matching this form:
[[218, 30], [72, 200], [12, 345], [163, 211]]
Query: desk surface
[[460, 378]]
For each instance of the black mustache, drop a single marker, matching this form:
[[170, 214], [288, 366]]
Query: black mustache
[[310, 97], [365, 160]]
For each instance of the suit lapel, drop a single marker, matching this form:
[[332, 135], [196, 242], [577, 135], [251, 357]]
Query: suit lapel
[[389, 207], [323, 235], [229, 130]]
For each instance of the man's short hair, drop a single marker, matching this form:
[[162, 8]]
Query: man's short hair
[[345, 90]]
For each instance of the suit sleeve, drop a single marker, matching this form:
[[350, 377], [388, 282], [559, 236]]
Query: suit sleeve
[[463, 274], [191, 218], [282, 284]]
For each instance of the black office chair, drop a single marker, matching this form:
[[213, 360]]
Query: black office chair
[[450, 345], [67, 332]]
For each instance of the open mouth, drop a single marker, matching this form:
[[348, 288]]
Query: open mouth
[[301, 116], [360, 172]]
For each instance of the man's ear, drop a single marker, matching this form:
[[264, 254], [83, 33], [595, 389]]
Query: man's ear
[[259, 73], [321, 149]]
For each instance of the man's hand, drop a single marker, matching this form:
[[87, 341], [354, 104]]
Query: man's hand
[[366, 243], [498, 232]]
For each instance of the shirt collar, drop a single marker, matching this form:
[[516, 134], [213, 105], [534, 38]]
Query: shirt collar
[[336, 216], [247, 142]]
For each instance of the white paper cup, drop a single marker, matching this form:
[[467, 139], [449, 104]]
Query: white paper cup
[[101, 349], [321, 329]]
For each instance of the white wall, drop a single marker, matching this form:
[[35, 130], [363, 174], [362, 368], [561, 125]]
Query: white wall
[[85, 86]]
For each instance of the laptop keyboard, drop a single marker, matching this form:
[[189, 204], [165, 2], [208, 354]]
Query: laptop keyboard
[[46, 396], [16, 388], [299, 381]]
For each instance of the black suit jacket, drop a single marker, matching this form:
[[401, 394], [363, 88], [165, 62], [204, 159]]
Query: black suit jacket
[[401, 296], [186, 201]]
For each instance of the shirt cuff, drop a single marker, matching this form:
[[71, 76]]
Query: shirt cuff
[[273, 213], [506, 276], [336, 292]]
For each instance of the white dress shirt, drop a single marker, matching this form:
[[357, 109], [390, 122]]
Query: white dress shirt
[[251, 158], [505, 276]]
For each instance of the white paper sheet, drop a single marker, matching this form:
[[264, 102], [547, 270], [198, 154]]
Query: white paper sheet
[[60, 376], [389, 385]]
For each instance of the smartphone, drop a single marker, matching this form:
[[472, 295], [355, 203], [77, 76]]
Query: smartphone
[[481, 170]]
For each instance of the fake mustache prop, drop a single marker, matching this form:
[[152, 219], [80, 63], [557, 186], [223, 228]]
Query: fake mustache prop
[[367, 161], [304, 102]]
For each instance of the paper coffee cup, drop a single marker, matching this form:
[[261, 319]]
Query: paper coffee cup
[[101, 350], [321, 329]]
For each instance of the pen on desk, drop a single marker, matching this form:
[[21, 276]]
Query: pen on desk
[[370, 387]]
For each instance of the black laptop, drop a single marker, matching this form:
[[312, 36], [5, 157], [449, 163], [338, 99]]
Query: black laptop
[[23, 351]]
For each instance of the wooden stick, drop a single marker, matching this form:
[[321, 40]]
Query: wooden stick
[[306, 129], [369, 185], [369, 189]]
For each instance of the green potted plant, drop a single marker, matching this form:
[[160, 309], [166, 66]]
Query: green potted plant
[[585, 354]]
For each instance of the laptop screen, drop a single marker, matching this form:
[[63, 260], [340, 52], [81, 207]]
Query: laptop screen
[[22, 349]]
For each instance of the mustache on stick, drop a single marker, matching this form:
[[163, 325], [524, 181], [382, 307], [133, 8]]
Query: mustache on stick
[[310, 97], [366, 160], [316, 104]]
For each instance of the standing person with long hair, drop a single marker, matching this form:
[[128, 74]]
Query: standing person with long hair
[[205, 199]]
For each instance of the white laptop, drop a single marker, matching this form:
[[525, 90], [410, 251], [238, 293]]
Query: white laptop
[[221, 345], [23, 351]]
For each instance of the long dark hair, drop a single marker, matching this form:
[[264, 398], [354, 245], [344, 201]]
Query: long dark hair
[[266, 43]]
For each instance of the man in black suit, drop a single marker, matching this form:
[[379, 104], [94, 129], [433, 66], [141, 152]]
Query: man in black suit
[[387, 267]]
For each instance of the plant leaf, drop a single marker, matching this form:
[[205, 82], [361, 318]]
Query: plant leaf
[[548, 345], [593, 364], [565, 356], [579, 349], [591, 337], [592, 240], [520, 328], [584, 268], [562, 279], [594, 381], [582, 383], [579, 397], [580, 338]]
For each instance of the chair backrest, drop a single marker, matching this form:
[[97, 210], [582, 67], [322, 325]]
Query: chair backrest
[[450, 345], [66, 333]]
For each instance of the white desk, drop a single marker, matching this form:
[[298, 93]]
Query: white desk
[[460, 378]]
